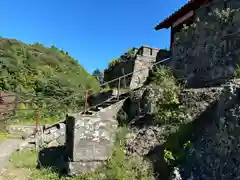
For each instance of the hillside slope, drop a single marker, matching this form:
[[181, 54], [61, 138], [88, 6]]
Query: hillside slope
[[48, 73]]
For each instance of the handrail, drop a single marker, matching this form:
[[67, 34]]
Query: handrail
[[114, 80], [134, 72], [101, 85]]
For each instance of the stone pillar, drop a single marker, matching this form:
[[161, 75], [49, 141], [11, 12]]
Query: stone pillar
[[70, 128]]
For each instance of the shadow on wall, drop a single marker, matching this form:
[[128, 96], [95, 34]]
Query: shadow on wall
[[162, 54], [100, 97], [199, 82], [175, 142]]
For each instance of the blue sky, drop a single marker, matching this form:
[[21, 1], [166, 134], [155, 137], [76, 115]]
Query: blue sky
[[92, 31]]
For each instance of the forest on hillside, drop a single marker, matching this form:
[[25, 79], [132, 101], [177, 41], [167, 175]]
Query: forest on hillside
[[46, 75]]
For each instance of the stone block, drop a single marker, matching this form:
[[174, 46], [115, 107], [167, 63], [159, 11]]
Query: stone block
[[89, 149], [88, 144], [21, 130], [84, 167], [70, 127]]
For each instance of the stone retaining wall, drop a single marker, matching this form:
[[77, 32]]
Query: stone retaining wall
[[144, 58], [215, 153], [209, 49]]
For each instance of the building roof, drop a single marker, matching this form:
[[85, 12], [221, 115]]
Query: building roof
[[190, 5]]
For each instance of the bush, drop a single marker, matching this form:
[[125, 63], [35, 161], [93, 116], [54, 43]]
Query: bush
[[237, 72], [48, 74], [113, 63], [168, 109], [122, 167], [122, 117]]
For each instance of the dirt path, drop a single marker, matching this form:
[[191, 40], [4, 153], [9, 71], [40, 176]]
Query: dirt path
[[7, 147]]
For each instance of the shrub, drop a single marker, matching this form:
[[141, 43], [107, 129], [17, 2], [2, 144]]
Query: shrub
[[113, 63], [177, 155], [122, 117], [237, 72], [49, 74], [168, 109], [122, 167]]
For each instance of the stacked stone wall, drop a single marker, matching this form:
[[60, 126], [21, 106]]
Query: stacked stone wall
[[207, 52], [144, 59]]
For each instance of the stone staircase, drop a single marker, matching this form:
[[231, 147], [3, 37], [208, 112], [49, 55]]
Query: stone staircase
[[88, 137]]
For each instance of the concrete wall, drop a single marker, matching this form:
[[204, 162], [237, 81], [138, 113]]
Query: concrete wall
[[206, 53]]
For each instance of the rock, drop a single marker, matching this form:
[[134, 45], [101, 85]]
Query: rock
[[216, 148], [21, 130], [176, 174], [53, 144], [142, 141], [61, 140], [150, 96]]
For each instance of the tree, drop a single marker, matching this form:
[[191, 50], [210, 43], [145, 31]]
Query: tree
[[98, 75]]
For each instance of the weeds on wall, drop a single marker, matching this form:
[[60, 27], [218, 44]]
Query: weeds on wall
[[168, 109], [237, 72], [217, 19]]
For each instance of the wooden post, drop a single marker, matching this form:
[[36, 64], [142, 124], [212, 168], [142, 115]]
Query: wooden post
[[85, 103], [37, 127], [37, 120], [16, 104], [124, 80]]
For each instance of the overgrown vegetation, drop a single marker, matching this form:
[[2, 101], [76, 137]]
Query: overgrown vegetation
[[129, 55], [98, 75], [237, 72], [49, 75], [168, 109]]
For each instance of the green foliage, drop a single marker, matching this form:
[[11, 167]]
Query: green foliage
[[178, 155], [122, 167], [49, 74], [98, 75], [122, 117], [168, 156], [163, 77], [168, 109], [129, 55], [237, 72], [113, 63]]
